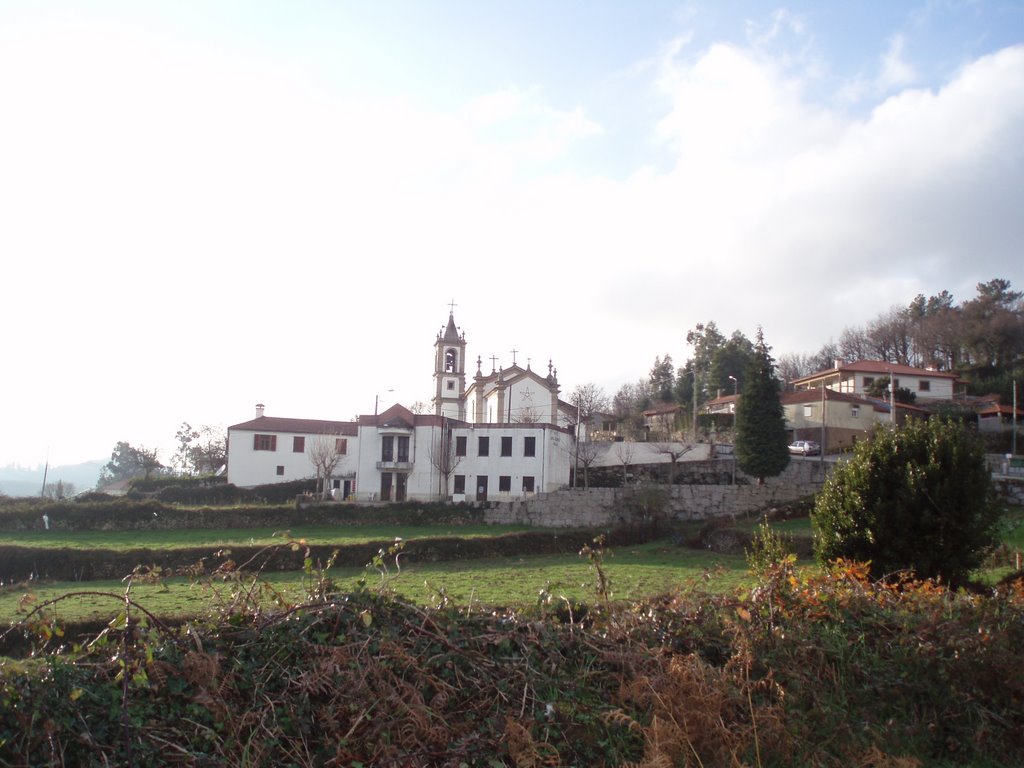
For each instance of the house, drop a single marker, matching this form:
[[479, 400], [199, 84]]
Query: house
[[846, 418], [662, 422], [993, 416], [499, 436], [723, 404], [271, 449], [858, 377]]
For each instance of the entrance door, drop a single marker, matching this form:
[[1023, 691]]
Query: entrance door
[[481, 488], [401, 481]]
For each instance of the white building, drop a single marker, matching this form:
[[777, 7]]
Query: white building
[[857, 378], [272, 449], [505, 435]]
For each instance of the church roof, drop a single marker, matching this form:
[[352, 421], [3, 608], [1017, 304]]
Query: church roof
[[451, 333]]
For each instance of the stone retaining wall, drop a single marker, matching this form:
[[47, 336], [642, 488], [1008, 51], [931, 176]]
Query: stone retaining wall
[[1011, 489], [595, 507]]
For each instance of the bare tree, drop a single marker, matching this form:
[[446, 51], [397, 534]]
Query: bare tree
[[322, 451], [624, 453], [586, 454], [59, 490], [674, 451], [149, 461], [527, 415], [588, 399], [443, 457]]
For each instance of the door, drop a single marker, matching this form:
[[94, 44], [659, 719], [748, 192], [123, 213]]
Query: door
[[401, 481]]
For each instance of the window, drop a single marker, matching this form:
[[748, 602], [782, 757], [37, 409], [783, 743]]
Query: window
[[336, 484], [280, 470], [855, 411], [403, 448], [387, 448], [460, 484], [264, 443], [530, 446], [451, 384], [505, 483], [506, 446], [483, 446], [298, 444], [341, 446], [385, 486], [924, 386], [527, 484], [868, 381], [895, 384], [460, 445], [808, 411]]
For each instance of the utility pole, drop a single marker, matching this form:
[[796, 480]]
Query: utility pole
[[1014, 439], [821, 453], [695, 401]]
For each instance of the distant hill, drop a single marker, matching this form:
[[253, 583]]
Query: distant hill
[[28, 481]]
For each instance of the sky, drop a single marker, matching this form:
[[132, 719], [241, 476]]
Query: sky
[[209, 205]]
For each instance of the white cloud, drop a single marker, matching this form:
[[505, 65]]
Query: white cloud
[[896, 72], [191, 230]]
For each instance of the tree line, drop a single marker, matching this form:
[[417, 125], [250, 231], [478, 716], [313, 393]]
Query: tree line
[[981, 338], [200, 451]]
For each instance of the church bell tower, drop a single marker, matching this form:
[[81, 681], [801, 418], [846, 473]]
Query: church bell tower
[[450, 372]]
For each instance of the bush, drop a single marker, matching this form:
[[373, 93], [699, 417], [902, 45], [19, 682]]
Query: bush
[[222, 493], [918, 498]]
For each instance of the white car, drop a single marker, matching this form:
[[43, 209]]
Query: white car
[[805, 448]]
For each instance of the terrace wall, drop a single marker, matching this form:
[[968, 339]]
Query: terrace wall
[[594, 507]]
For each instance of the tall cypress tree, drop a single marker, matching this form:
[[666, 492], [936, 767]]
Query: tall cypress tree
[[761, 448]]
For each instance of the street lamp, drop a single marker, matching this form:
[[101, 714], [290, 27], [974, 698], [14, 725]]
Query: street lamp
[[735, 385]]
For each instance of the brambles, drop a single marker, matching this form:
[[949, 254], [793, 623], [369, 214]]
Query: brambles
[[913, 673]]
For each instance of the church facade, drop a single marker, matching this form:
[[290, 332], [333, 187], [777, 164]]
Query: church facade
[[497, 436]]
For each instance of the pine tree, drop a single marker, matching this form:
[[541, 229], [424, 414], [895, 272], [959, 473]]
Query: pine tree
[[761, 448]]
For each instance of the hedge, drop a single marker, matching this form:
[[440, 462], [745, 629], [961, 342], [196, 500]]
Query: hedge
[[21, 563]]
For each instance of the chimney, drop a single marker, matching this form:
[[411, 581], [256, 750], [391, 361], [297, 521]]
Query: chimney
[[839, 364], [259, 410]]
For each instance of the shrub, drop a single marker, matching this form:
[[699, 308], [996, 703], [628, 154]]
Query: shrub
[[918, 498]]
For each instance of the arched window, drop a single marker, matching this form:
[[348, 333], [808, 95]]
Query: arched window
[[451, 358]]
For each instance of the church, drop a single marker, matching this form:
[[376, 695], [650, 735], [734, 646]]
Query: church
[[498, 436]]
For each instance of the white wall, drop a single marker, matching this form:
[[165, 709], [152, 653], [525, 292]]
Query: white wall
[[248, 467]]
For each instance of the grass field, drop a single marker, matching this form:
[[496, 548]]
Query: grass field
[[235, 537], [635, 572]]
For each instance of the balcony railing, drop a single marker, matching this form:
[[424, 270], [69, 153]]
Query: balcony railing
[[394, 465]]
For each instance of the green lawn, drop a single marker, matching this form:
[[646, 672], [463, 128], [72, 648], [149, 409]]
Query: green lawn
[[236, 537], [635, 572]]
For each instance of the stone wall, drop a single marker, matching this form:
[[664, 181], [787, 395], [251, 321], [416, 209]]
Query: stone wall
[[1011, 489], [594, 507]]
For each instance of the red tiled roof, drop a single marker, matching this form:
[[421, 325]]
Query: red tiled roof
[[1003, 410], [299, 426]]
